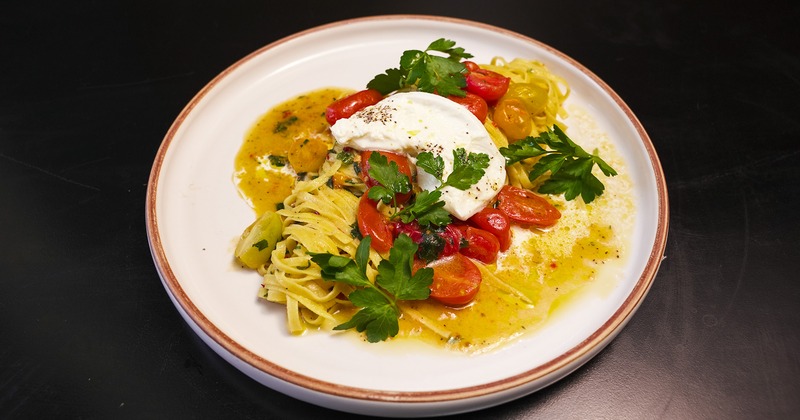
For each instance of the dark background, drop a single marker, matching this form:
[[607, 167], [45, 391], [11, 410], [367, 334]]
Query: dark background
[[89, 89]]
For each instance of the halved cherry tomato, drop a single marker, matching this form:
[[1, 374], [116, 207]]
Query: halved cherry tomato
[[427, 239], [511, 115], [456, 279], [495, 222], [523, 206], [487, 84], [534, 95], [471, 66], [481, 245], [452, 240], [403, 165], [372, 223], [412, 230], [474, 103], [349, 105]]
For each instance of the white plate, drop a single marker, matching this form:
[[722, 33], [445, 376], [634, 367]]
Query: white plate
[[194, 216]]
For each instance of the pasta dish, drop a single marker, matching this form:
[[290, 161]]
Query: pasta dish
[[452, 202]]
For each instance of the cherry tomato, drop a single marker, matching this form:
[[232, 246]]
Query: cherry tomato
[[471, 66], [481, 245], [523, 206], [474, 103], [349, 105], [452, 240], [451, 236], [511, 115], [495, 222], [412, 230], [372, 223], [403, 165], [487, 84], [456, 279], [534, 95]]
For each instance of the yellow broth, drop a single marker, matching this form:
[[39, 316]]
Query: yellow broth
[[261, 172], [528, 286]]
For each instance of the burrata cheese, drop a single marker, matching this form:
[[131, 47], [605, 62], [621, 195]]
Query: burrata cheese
[[416, 122]]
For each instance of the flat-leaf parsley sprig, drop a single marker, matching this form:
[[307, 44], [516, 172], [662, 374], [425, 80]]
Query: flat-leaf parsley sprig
[[390, 181], [569, 165], [427, 208], [379, 313], [427, 72]]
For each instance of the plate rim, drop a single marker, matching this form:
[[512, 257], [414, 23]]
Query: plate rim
[[563, 364]]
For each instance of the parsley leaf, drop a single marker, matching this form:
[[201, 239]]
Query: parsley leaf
[[345, 156], [427, 209], [394, 274], [388, 175], [430, 164], [467, 169], [427, 72], [388, 82], [569, 165], [378, 317], [379, 313], [431, 245], [449, 47], [283, 125], [343, 269]]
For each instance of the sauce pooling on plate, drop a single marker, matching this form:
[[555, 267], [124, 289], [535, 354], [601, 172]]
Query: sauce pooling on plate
[[292, 137]]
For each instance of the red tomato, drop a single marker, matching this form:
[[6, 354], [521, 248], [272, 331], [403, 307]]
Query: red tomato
[[487, 84], [403, 165], [451, 235], [349, 105], [452, 240], [474, 103], [481, 245], [412, 230], [372, 223], [495, 222], [523, 206], [471, 66], [456, 279]]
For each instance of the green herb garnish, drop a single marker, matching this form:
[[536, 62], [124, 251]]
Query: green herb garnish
[[277, 161], [379, 313], [355, 232], [569, 165], [391, 181], [281, 126], [431, 245], [261, 245], [345, 157], [427, 209], [467, 168], [427, 72]]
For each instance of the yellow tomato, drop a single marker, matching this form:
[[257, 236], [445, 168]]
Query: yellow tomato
[[533, 95], [513, 118]]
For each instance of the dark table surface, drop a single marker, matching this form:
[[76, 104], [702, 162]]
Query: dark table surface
[[89, 89]]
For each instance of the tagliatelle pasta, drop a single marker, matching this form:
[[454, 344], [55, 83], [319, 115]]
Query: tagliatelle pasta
[[317, 218]]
